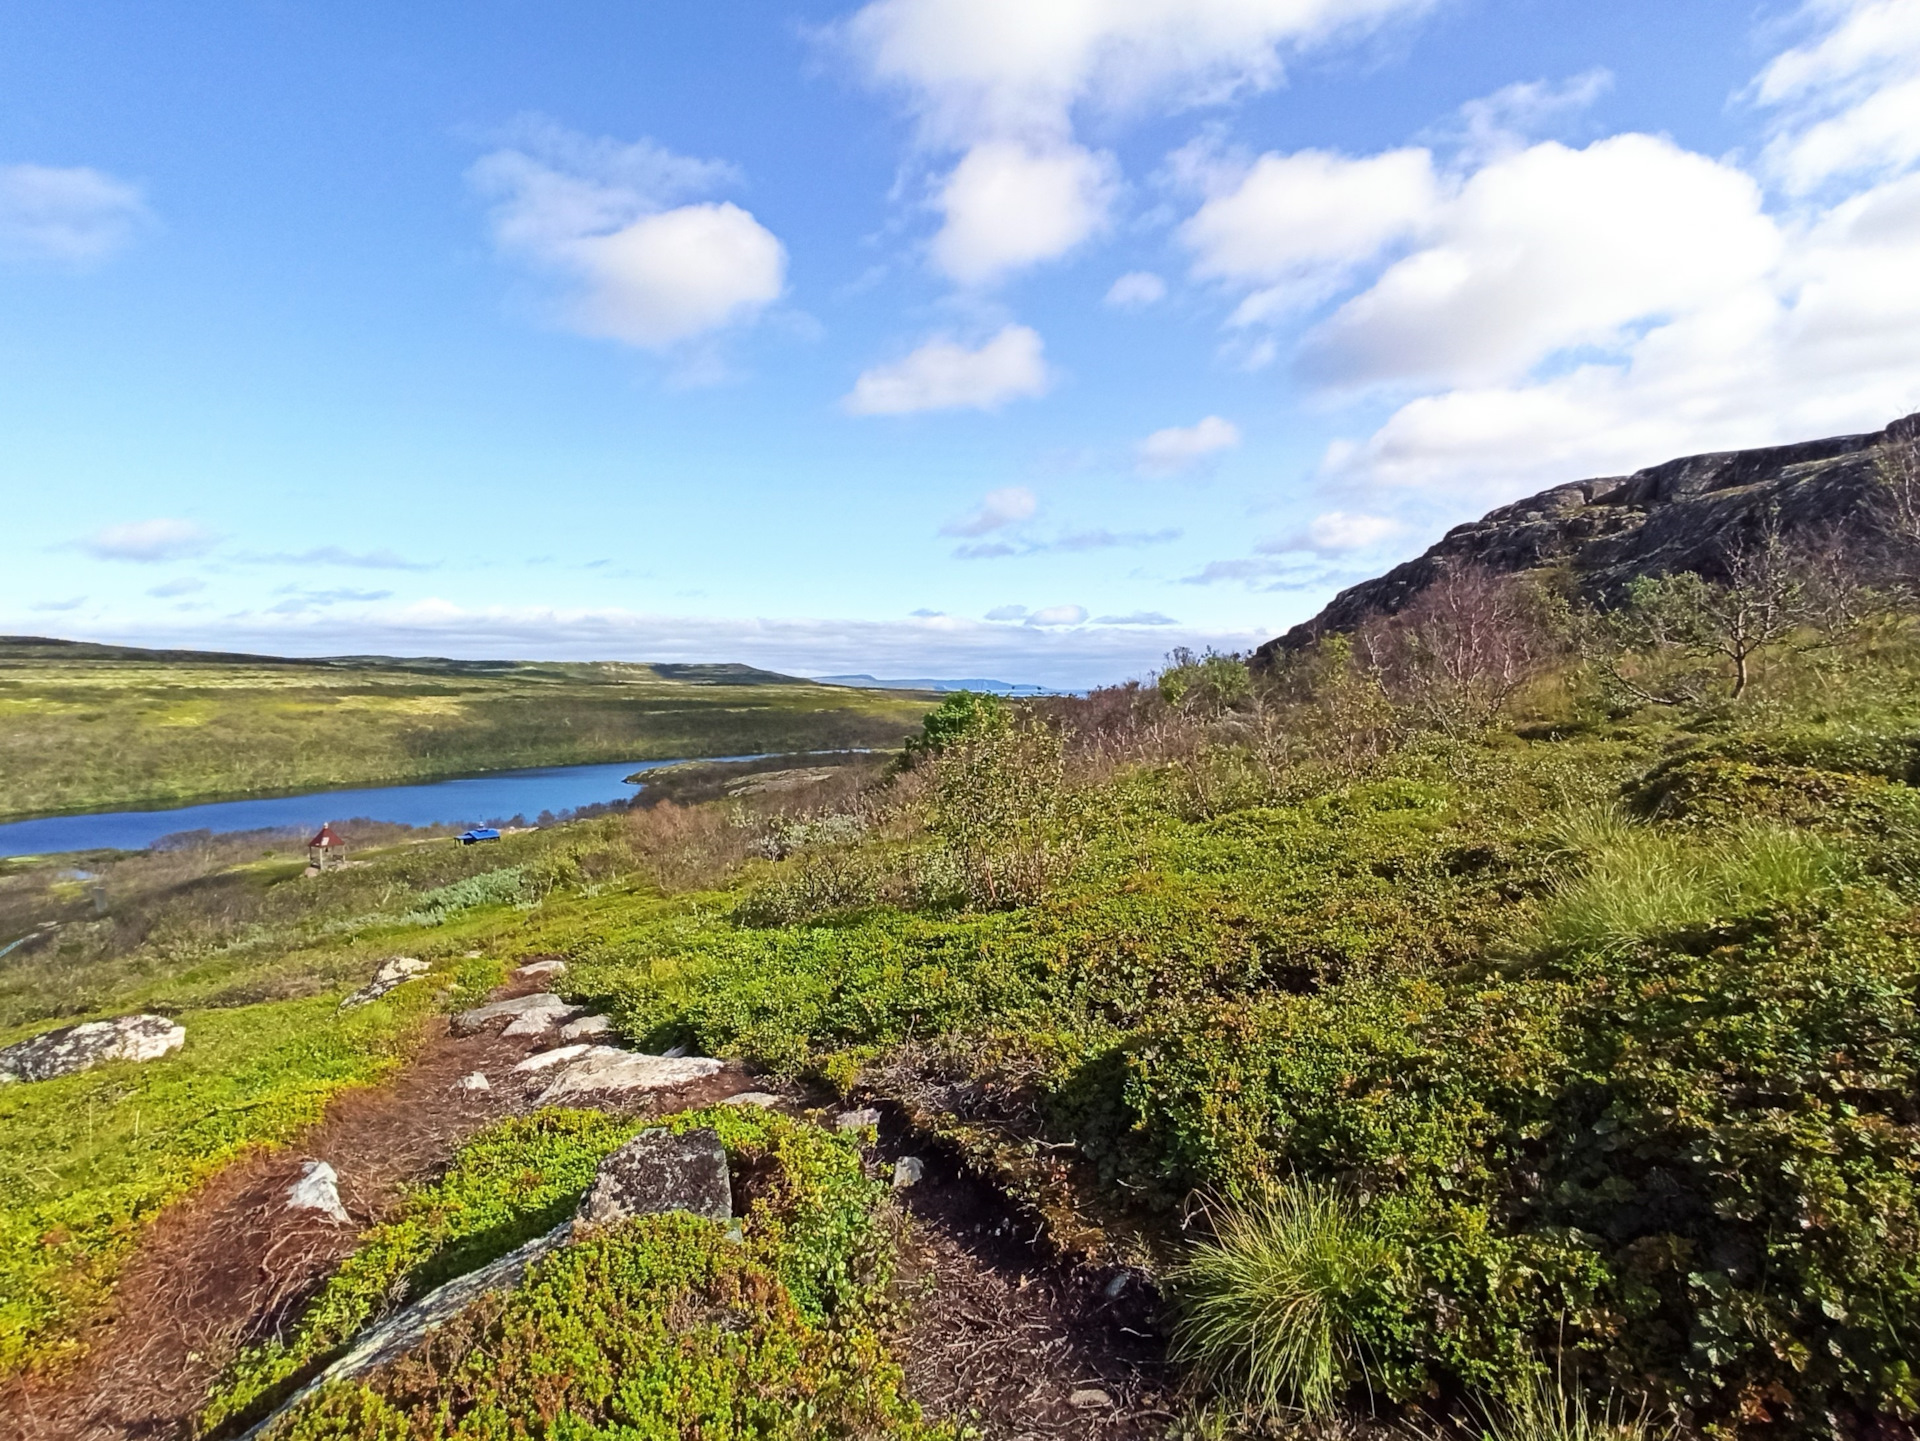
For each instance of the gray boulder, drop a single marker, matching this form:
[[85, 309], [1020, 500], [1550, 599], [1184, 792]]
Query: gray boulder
[[657, 1172], [610, 1071], [92, 1043], [547, 1009], [395, 972]]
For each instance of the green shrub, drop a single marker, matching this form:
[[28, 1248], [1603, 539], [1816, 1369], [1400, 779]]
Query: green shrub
[[511, 1182], [1272, 1307], [666, 1326]]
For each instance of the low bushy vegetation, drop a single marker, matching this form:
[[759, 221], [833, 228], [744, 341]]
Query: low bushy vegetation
[[660, 1327]]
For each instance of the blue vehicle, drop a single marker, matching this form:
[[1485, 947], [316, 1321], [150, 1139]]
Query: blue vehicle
[[479, 833]]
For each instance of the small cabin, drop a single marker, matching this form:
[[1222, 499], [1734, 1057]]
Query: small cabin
[[327, 851]]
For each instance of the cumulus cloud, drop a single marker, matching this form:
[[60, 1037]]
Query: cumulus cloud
[[1008, 206], [1334, 533], [999, 82], [1181, 448], [148, 541], [946, 375], [1537, 311], [608, 219], [1294, 226], [67, 215], [1000, 508], [1136, 289], [1848, 102]]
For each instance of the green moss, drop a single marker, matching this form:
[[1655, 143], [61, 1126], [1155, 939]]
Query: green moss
[[661, 1327]]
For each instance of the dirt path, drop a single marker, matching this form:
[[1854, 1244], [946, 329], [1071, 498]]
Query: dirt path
[[1007, 1337], [231, 1262]]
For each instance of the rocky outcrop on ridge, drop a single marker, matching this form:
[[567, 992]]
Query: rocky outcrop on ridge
[[1682, 515]]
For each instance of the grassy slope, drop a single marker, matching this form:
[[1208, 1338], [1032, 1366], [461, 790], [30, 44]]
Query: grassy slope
[[1638, 1084], [94, 728]]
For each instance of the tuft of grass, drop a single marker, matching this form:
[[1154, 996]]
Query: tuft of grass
[[1548, 1409], [1271, 1308], [1635, 882]]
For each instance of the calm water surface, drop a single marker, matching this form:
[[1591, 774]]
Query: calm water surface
[[468, 801]]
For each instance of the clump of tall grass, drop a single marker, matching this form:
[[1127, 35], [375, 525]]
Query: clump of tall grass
[[1634, 881], [1269, 1309], [1551, 1409]]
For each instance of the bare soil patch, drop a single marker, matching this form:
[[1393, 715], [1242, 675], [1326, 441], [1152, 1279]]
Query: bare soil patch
[[1007, 1335]]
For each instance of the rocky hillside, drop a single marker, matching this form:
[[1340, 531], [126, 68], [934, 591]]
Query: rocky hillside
[[1681, 515]]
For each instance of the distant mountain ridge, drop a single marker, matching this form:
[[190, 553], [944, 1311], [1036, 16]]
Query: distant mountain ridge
[[985, 687], [1677, 516]]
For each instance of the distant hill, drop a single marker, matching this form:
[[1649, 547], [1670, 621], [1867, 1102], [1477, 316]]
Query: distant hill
[[984, 687], [107, 727], [1681, 515]]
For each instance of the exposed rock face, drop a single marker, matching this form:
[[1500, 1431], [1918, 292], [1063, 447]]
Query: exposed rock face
[[92, 1043], [657, 1172], [392, 973], [1683, 515]]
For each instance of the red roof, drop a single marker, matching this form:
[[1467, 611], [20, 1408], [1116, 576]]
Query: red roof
[[328, 837]]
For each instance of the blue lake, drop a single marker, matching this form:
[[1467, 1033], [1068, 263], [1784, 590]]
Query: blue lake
[[466, 801]]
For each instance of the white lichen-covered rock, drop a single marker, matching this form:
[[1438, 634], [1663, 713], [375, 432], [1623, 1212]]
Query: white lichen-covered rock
[[908, 1171], [762, 1099], [657, 1172], [92, 1043], [541, 970], [586, 1028], [557, 1011], [546, 1060], [540, 1022], [609, 1071], [863, 1119], [318, 1189], [395, 972], [476, 1081]]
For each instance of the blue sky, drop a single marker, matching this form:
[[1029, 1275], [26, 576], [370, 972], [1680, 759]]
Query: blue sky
[[924, 337]]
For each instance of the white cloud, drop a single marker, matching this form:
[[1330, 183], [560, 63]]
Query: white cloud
[[602, 214], [1296, 225], [1138, 617], [1334, 533], [1000, 80], [1009, 67], [1182, 447], [1057, 615], [1551, 248], [1136, 289], [70, 216], [1008, 206], [147, 541], [1848, 104], [1000, 508], [1508, 118], [44, 607], [945, 375]]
